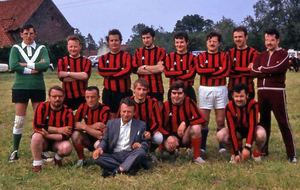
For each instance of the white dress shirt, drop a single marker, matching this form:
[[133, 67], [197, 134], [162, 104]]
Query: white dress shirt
[[124, 137]]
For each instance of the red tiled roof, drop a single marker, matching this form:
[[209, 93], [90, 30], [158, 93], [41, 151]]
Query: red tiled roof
[[5, 38], [14, 13]]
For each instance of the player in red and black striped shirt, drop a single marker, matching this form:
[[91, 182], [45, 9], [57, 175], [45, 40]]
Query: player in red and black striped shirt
[[52, 126], [242, 120], [182, 121], [213, 67], [147, 110], [74, 71], [148, 63], [180, 65], [241, 58], [90, 120], [115, 67]]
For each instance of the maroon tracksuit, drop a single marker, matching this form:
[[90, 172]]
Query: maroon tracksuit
[[270, 70]]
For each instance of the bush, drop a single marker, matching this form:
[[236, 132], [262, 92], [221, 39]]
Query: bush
[[4, 54]]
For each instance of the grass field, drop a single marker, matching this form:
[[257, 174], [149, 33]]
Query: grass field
[[274, 172]]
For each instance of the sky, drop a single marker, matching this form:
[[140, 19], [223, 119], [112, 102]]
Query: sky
[[97, 17]]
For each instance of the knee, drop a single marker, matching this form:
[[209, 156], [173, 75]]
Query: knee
[[260, 134], [19, 124], [223, 135], [65, 148], [157, 138], [76, 137], [37, 138], [220, 122], [196, 130]]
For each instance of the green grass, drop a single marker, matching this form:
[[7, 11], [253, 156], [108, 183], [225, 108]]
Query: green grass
[[274, 172]]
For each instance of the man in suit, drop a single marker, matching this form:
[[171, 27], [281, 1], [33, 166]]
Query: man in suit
[[123, 146]]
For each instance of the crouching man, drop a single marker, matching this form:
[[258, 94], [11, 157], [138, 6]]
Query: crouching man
[[53, 125], [123, 146], [242, 119], [90, 120], [182, 120]]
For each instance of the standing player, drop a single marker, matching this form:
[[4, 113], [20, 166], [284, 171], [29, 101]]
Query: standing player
[[147, 110], [270, 68], [182, 120], [241, 58], [90, 120], [213, 68], [28, 60], [53, 125], [180, 65], [149, 64], [242, 119], [74, 71], [115, 67]]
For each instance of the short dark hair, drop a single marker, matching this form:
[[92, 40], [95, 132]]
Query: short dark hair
[[181, 35], [148, 30], [176, 86], [240, 29], [127, 101], [91, 88], [27, 27], [239, 87], [114, 32], [142, 82], [56, 87], [74, 38], [214, 34], [273, 31]]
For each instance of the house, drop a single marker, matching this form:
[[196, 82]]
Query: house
[[49, 22]]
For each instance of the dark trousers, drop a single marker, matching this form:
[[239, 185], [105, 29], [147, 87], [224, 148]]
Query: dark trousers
[[126, 159], [275, 100]]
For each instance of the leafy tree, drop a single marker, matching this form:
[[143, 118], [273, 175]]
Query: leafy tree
[[193, 23], [280, 14], [225, 27], [90, 42]]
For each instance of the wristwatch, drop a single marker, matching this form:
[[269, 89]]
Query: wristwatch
[[68, 73]]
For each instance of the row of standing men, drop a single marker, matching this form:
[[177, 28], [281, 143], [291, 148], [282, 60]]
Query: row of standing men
[[240, 64]]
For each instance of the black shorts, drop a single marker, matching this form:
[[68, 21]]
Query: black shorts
[[91, 141], [23, 96], [112, 99], [74, 103], [158, 96], [190, 92], [242, 132]]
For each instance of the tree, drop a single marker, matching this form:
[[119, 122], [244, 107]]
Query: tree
[[280, 14], [193, 23], [225, 27], [90, 42]]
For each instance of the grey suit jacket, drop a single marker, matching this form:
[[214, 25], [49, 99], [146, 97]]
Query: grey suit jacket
[[111, 136]]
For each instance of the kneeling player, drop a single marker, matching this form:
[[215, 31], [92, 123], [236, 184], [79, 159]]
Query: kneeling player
[[53, 125], [242, 117], [90, 121], [183, 121]]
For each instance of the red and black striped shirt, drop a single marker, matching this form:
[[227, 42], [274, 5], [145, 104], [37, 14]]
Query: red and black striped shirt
[[76, 88], [45, 116], [149, 112], [144, 56], [242, 119], [240, 73], [173, 115], [116, 69], [180, 67], [91, 116], [213, 68]]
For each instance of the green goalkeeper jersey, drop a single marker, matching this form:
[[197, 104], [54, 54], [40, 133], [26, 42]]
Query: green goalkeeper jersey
[[37, 58]]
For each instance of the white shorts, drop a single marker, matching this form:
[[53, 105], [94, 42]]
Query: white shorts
[[213, 97]]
